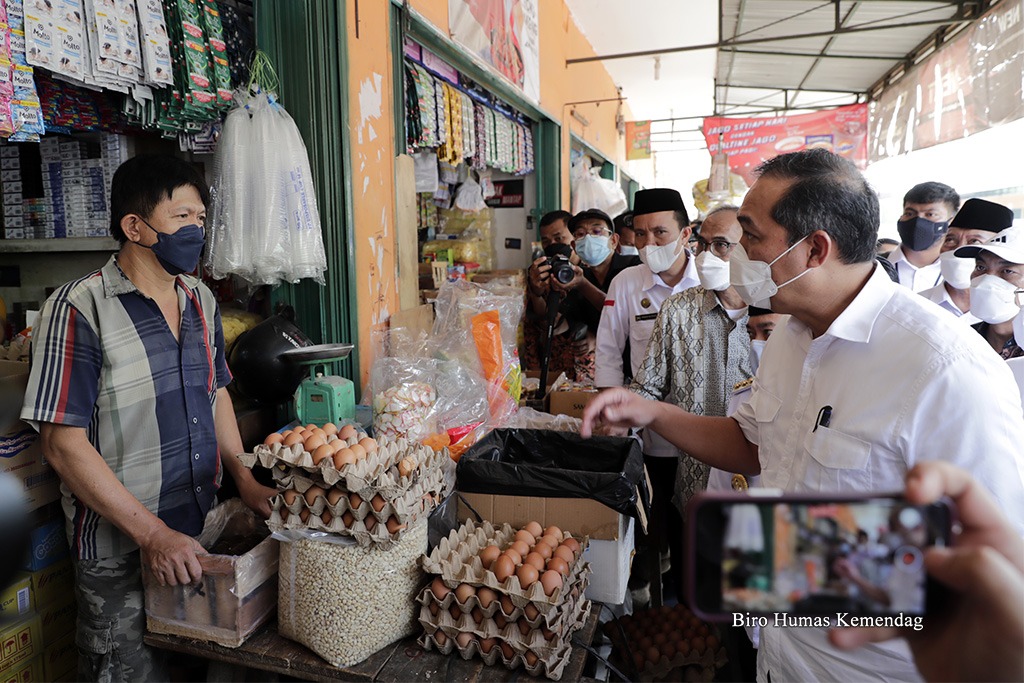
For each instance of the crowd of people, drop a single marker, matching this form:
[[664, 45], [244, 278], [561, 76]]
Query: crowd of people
[[724, 341]]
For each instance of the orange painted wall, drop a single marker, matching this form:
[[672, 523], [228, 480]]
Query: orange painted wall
[[371, 139]]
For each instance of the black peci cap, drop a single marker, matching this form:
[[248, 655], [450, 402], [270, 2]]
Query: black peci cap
[[981, 214], [658, 199]]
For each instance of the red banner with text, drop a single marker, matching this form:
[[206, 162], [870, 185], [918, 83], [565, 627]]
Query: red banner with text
[[750, 141]]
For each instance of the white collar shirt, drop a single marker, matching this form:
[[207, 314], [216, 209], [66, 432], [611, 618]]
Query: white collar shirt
[[917, 279], [630, 308], [905, 383], [940, 296]]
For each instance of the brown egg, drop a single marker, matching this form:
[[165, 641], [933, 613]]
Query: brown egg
[[660, 638], [565, 553], [524, 626], [712, 642], [551, 581], [377, 503], [370, 522], [522, 548], [326, 516], [440, 638], [343, 458], [697, 644], [547, 633], [290, 496], [507, 606], [526, 537], [638, 660], [368, 444], [703, 630], [355, 500], [407, 466], [503, 568], [653, 655], [322, 452], [334, 495], [358, 451], [393, 525], [500, 621], [558, 564], [292, 439], [527, 575], [486, 596], [549, 540], [338, 445], [488, 555], [531, 611], [487, 644], [346, 432], [310, 427], [434, 609], [513, 555], [531, 659], [573, 545], [553, 531], [477, 614], [330, 429], [463, 592], [312, 443], [304, 515], [543, 549], [535, 529], [312, 493], [439, 590], [455, 612], [319, 432], [272, 439], [535, 561], [347, 519], [683, 647], [668, 650], [464, 639], [507, 652]]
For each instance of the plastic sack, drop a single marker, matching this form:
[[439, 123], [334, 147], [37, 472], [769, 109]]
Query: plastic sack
[[425, 171], [346, 602], [528, 418], [470, 196], [593, 192], [528, 462]]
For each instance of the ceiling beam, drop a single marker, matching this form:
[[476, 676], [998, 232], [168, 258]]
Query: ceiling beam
[[781, 88], [859, 28]]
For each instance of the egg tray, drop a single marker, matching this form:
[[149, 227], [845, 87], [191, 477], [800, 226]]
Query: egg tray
[[456, 560], [411, 503], [550, 666], [282, 519], [570, 618], [377, 470], [667, 669]]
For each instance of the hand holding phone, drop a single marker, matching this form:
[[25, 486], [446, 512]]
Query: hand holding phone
[[980, 635]]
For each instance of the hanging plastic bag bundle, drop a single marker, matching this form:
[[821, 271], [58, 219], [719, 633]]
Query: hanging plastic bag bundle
[[230, 250]]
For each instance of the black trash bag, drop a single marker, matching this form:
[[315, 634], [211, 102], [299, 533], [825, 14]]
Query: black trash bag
[[549, 464]]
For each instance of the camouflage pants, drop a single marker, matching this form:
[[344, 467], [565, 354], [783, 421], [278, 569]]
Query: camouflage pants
[[112, 621]]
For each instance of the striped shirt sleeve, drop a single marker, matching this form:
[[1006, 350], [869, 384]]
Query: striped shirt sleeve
[[223, 374], [66, 363]]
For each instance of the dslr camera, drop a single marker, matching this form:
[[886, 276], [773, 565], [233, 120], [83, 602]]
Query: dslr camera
[[558, 258]]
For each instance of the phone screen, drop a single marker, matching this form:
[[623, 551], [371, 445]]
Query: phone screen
[[801, 556]]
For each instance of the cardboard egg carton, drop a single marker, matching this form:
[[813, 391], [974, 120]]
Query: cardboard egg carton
[[520, 634], [550, 666], [668, 669], [456, 560], [553, 620], [282, 518], [293, 467]]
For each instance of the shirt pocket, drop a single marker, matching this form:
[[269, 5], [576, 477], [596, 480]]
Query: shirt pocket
[[837, 461], [765, 405]]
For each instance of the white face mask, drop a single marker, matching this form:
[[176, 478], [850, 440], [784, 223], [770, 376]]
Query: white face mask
[[1018, 328], [753, 279], [956, 271], [627, 250], [660, 259], [712, 271], [756, 349], [993, 299]]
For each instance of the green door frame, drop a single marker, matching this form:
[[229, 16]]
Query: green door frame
[[305, 40], [547, 135]]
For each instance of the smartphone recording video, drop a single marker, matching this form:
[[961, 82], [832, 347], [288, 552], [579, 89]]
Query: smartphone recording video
[[755, 555]]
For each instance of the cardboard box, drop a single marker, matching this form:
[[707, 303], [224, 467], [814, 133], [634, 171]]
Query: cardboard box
[[20, 642], [60, 659], [17, 600], [21, 453], [48, 543], [54, 583], [58, 618], [579, 516], [23, 672], [610, 562], [569, 403]]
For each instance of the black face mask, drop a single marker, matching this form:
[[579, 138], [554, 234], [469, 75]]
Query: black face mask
[[917, 234]]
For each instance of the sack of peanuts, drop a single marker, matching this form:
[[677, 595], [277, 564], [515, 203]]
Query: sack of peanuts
[[346, 602]]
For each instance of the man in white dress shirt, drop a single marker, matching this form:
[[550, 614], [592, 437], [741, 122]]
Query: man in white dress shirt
[[885, 364], [927, 208], [976, 222]]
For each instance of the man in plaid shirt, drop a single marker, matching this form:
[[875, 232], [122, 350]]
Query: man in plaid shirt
[[128, 392]]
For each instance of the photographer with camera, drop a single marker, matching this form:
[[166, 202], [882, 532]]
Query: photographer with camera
[[585, 243]]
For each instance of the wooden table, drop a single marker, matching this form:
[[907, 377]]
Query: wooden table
[[402, 661]]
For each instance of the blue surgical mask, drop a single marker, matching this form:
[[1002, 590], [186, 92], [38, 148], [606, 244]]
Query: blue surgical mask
[[626, 250], [178, 252], [594, 249]]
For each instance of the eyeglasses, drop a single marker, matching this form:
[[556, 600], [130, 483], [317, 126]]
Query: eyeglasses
[[592, 232], [719, 247]]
